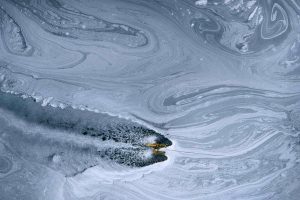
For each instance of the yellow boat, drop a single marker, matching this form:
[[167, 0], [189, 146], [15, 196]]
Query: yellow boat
[[156, 146]]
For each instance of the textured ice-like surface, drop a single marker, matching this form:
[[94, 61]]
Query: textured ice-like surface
[[86, 83]]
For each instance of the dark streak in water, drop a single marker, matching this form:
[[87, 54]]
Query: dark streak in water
[[89, 28]]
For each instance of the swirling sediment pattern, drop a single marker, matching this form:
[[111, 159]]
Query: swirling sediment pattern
[[85, 84]]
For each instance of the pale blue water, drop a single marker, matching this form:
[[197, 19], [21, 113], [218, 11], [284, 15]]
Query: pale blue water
[[87, 85]]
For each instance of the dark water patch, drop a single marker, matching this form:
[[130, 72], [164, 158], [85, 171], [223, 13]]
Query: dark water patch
[[5, 165], [11, 33], [75, 155]]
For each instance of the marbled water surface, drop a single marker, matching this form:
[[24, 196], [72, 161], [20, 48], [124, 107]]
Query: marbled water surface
[[85, 84]]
